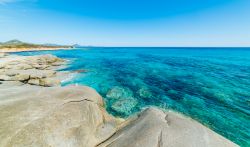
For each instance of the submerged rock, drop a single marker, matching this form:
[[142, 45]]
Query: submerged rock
[[145, 93], [119, 92], [124, 106], [80, 71], [175, 95]]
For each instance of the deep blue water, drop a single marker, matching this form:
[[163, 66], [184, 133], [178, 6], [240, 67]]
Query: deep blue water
[[211, 85]]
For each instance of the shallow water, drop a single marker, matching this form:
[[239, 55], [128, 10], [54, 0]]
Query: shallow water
[[211, 85]]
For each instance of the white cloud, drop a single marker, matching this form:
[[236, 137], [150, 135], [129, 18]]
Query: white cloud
[[4, 2]]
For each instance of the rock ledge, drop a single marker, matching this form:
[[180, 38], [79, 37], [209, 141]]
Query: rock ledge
[[34, 70]]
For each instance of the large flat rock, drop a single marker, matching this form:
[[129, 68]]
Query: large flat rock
[[34, 70], [155, 128], [62, 116]]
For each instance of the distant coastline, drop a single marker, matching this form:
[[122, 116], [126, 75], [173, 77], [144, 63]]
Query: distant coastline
[[19, 46], [9, 50]]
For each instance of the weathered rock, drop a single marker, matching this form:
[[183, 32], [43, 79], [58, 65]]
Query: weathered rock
[[64, 116], [8, 66], [154, 128], [21, 77], [74, 116], [46, 82], [49, 82], [2, 66], [2, 55], [14, 62], [2, 72], [47, 59], [40, 73], [57, 63], [41, 67], [8, 84], [31, 69], [11, 72], [34, 82], [22, 66], [5, 78]]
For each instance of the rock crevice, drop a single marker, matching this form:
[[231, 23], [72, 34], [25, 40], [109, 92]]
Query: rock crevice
[[78, 101]]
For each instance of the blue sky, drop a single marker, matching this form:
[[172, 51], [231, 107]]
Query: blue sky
[[127, 22]]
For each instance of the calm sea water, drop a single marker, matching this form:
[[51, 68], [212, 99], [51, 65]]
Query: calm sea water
[[211, 85]]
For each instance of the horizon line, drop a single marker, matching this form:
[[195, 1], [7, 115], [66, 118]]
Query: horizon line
[[166, 46]]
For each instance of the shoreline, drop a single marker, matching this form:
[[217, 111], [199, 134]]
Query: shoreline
[[39, 109], [12, 50]]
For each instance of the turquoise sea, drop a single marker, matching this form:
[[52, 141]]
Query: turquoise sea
[[211, 85]]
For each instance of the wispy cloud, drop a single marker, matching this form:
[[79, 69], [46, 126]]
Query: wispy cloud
[[5, 2], [2, 2]]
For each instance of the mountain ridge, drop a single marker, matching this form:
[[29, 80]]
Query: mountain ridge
[[15, 43]]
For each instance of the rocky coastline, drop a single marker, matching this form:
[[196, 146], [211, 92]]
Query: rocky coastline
[[36, 111]]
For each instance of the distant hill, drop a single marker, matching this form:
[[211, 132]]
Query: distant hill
[[13, 42], [82, 46], [76, 45], [19, 44]]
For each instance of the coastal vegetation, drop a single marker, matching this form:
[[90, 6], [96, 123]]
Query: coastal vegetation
[[14, 44]]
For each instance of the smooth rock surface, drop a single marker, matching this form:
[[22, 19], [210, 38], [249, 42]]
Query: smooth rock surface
[[63, 116], [154, 128]]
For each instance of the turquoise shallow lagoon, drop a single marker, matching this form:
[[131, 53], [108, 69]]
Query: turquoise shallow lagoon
[[211, 85]]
